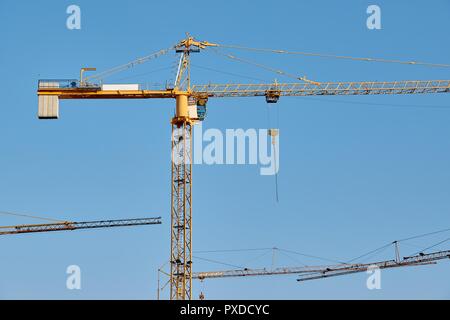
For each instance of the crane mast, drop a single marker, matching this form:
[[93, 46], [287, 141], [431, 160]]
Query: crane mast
[[181, 180], [189, 101]]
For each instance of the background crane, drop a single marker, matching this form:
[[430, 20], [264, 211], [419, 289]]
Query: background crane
[[314, 271], [323, 271], [306, 273], [190, 107], [69, 225]]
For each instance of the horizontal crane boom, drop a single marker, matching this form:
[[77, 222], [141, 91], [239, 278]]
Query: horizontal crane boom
[[67, 225], [421, 259], [324, 88], [252, 90], [315, 272]]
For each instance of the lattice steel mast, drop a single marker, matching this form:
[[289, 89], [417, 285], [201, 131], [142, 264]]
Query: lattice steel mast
[[181, 192]]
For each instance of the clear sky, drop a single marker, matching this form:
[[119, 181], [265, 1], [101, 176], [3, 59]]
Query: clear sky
[[355, 172]]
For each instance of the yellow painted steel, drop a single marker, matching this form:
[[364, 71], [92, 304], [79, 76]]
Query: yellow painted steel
[[190, 41], [90, 93], [182, 105], [181, 211], [82, 70]]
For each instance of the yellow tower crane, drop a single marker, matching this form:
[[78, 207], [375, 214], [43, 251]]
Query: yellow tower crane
[[190, 101]]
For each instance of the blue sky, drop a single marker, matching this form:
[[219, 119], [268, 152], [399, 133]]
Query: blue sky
[[355, 172]]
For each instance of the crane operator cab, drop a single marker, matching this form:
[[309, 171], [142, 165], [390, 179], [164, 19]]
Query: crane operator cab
[[272, 96], [197, 107], [201, 108]]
